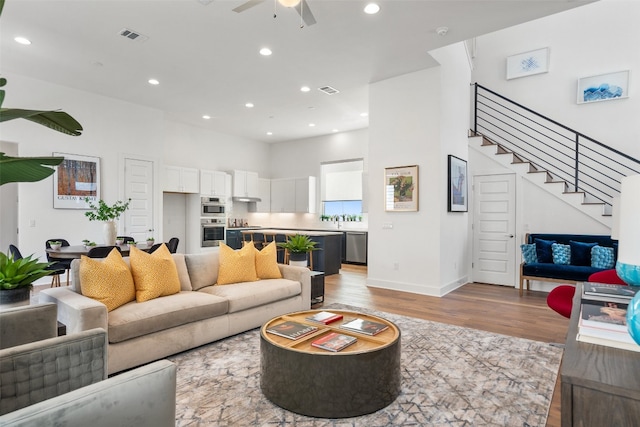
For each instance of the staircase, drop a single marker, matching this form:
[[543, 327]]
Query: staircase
[[574, 167]]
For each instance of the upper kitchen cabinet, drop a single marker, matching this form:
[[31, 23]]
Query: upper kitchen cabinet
[[293, 195], [180, 180], [213, 183], [245, 185], [264, 192], [306, 194]]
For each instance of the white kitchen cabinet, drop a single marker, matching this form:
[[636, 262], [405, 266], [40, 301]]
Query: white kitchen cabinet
[[213, 183], [245, 184], [180, 180], [283, 195], [264, 192], [306, 194]]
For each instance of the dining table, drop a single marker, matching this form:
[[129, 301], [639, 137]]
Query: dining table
[[76, 251]]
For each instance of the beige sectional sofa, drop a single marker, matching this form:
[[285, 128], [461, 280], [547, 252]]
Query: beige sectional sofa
[[200, 313]]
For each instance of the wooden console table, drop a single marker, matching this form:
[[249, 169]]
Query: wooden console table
[[600, 384]]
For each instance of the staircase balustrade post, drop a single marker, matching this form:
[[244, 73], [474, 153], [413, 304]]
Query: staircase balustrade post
[[575, 182]]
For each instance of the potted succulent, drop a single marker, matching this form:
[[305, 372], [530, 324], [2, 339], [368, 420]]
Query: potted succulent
[[108, 215], [119, 240], [17, 277], [55, 244], [298, 246], [150, 241], [88, 244]]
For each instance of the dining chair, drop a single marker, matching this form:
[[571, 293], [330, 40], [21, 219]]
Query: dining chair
[[14, 252], [172, 244], [102, 251], [127, 239], [153, 248], [59, 265]]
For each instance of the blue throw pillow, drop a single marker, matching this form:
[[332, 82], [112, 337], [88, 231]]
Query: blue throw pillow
[[602, 257], [543, 250], [561, 254], [581, 252], [529, 255]]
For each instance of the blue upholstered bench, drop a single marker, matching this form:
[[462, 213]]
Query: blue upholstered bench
[[550, 272]]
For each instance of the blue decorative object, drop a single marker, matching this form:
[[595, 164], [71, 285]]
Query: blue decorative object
[[543, 250], [561, 254], [602, 257], [633, 318], [581, 252], [529, 255], [629, 273]]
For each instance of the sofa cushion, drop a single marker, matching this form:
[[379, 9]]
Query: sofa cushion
[[247, 295], [577, 273], [107, 280], [581, 252], [237, 266], [529, 254], [183, 273], [267, 262], [602, 257], [543, 250], [137, 319], [155, 275], [561, 254], [203, 269]]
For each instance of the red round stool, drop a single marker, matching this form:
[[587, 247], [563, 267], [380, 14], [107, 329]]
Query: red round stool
[[560, 299]]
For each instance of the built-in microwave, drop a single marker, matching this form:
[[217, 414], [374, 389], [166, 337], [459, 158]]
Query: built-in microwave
[[212, 206]]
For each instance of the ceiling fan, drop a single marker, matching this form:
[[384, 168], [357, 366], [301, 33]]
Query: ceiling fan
[[301, 6]]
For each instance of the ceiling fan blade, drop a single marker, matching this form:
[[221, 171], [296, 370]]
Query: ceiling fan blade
[[247, 5], [305, 13]]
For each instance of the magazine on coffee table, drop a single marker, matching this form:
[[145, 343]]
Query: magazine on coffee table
[[334, 341], [324, 317], [291, 330], [362, 326]]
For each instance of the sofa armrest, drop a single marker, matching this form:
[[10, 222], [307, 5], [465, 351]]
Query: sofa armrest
[[28, 323], [299, 274], [142, 397], [77, 312]]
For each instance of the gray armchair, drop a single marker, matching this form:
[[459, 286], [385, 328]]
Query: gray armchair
[[63, 380]]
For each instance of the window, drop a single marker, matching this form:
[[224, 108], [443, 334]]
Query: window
[[341, 187], [342, 207]]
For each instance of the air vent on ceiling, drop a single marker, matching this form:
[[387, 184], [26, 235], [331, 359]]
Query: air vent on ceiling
[[133, 35], [328, 90]]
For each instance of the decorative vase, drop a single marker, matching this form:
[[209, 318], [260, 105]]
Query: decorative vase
[[633, 318], [10, 298], [110, 233], [298, 259]]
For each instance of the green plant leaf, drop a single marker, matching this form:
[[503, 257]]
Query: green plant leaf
[[26, 169], [56, 120]]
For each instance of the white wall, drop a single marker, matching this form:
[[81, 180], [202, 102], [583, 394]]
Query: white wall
[[598, 38]]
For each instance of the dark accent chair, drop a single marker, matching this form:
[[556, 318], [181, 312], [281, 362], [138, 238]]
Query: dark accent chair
[[15, 252], [172, 244], [102, 251], [153, 248], [59, 265], [127, 239]]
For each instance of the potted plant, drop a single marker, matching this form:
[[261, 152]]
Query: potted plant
[[108, 215], [119, 240], [150, 241], [55, 244], [89, 244], [17, 277], [298, 246]]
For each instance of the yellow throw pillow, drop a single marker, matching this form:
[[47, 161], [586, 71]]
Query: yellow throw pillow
[[154, 275], [108, 281], [237, 266], [267, 262]]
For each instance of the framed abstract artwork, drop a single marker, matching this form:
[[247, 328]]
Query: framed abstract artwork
[[457, 185], [76, 178], [604, 87], [401, 189], [528, 63]]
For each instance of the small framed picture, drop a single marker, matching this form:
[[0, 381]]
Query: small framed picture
[[528, 63], [457, 183], [401, 189], [604, 87], [76, 178]]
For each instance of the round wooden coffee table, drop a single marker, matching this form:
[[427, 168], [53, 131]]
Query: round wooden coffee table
[[360, 379]]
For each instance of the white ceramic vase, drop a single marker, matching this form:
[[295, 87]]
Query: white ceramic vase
[[110, 233]]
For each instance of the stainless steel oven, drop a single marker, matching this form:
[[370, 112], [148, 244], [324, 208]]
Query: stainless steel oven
[[212, 207], [212, 231]]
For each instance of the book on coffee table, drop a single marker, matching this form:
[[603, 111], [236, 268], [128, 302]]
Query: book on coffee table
[[324, 317], [362, 326], [291, 330], [334, 341], [607, 292]]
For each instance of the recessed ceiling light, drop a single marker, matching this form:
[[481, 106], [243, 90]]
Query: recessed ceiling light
[[371, 9], [312, 125], [364, 114], [249, 105], [154, 82], [305, 89], [206, 117], [269, 133], [335, 130], [23, 40], [265, 51]]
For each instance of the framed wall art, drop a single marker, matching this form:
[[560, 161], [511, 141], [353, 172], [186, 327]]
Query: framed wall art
[[457, 182], [528, 63], [401, 188], [604, 87], [76, 178]]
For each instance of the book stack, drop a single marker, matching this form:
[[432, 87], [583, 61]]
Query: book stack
[[364, 326], [603, 312], [324, 317], [334, 341], [291, 330]]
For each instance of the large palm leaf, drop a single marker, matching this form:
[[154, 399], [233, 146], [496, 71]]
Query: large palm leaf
[[26, 169]]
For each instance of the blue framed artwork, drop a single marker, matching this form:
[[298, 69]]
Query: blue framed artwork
[[604, 87], [528, 63], [457, 185]]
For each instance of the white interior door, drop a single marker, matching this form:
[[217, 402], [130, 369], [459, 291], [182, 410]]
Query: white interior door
[[494, 243], [139, 188]]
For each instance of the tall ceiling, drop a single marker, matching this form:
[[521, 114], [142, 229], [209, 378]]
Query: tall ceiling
[[206, 57]]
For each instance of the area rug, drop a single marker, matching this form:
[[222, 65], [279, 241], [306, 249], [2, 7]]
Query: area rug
[[451, 376]]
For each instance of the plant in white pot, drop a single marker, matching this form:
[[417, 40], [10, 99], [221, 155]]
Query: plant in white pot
[[109, 215], [298, 246], [17, 277]]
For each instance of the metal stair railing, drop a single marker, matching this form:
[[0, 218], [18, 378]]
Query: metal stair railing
[[587, 165]]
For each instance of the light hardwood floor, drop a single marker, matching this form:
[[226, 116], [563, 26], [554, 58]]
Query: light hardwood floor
[[491, 308]]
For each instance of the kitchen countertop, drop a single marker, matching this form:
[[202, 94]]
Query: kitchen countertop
[[338, 230], [293, 232]]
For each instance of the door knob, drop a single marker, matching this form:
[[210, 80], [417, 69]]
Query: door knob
[[510, 236]]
